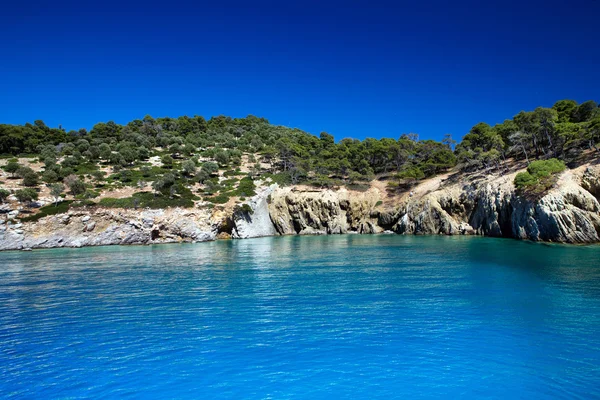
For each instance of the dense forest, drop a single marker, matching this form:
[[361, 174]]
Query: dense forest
[[192, 150]]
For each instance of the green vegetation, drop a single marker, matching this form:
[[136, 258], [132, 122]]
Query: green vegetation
[[559, 132], [26, 196], [219, 199], [173, 156], [244, 208], [52, 209], [3, 195], [540, 175], [149, 200], [246, 187]]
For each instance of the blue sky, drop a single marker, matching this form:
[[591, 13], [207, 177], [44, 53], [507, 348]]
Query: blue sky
[[353, 69]]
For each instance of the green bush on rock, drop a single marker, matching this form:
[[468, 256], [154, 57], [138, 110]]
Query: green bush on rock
[[540, 176]]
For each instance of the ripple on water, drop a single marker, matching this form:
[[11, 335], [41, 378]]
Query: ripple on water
[[310, 317]]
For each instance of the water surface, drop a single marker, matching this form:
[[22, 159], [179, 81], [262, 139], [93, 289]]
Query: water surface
[[303, 317]]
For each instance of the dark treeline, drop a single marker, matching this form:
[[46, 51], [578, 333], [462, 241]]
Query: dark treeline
[[558, 132]]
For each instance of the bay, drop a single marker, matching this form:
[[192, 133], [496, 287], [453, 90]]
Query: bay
[[353, 316]]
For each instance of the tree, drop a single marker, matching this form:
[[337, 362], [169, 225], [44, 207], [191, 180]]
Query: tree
[[117, 159], [222, 158], [448, 141], [167, 161], [12, 167], [210, 167], [26, 196], [546, 119], [520, 140], [164, 183], [158, 185], [4, 195], [188, 167], [56, 190], [474, 150], [128, 155], [201, 176], [75, 185], [30, 178], [592, 133], [104, 151], [565, 109], [584, 111]]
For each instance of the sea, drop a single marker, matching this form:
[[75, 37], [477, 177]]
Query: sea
[[319, 317]]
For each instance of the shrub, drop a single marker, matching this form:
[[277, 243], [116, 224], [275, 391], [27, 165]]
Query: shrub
[[282, 178], [545, 168], [76, 186], [30, 179], [188, 167], [3, 195], [26, 195], [50, 176], [60, 208], [244, 208], [540, 176], [246, 187], [414, 173], [150, 200], [523, 179], [12, 167], [219, 199]]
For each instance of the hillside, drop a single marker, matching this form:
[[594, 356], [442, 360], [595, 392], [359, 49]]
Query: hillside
[[211, 169]]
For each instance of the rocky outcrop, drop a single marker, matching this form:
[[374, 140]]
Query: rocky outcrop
[[254, 220], [320, 212], [569, 213], [99, 227], [479, 205]]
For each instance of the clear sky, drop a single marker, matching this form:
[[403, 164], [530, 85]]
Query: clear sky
[[354, 68]]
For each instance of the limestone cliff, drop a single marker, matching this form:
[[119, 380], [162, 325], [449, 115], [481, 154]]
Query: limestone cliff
[[255, 221], [482, 205], [449, 205], [320, 212]]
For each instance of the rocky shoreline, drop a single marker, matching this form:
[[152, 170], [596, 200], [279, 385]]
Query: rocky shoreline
[[479, 205]]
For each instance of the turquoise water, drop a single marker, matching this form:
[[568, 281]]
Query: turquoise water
[[303, 317]]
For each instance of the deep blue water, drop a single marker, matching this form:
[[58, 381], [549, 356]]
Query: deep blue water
[[303, 317]]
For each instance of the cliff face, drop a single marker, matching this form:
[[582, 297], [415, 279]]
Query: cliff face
[[478, 205], [489, 206], [317, 212], [255, 223]]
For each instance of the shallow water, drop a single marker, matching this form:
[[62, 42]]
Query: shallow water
[[303, 317]]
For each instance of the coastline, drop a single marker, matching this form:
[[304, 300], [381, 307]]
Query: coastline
[[472, 205]]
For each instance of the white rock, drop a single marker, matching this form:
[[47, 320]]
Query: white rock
[[258, 223]]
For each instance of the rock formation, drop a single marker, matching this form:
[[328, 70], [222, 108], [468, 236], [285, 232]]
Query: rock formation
[[480, 205], [100, 227], [256, 221], [569, 212]]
